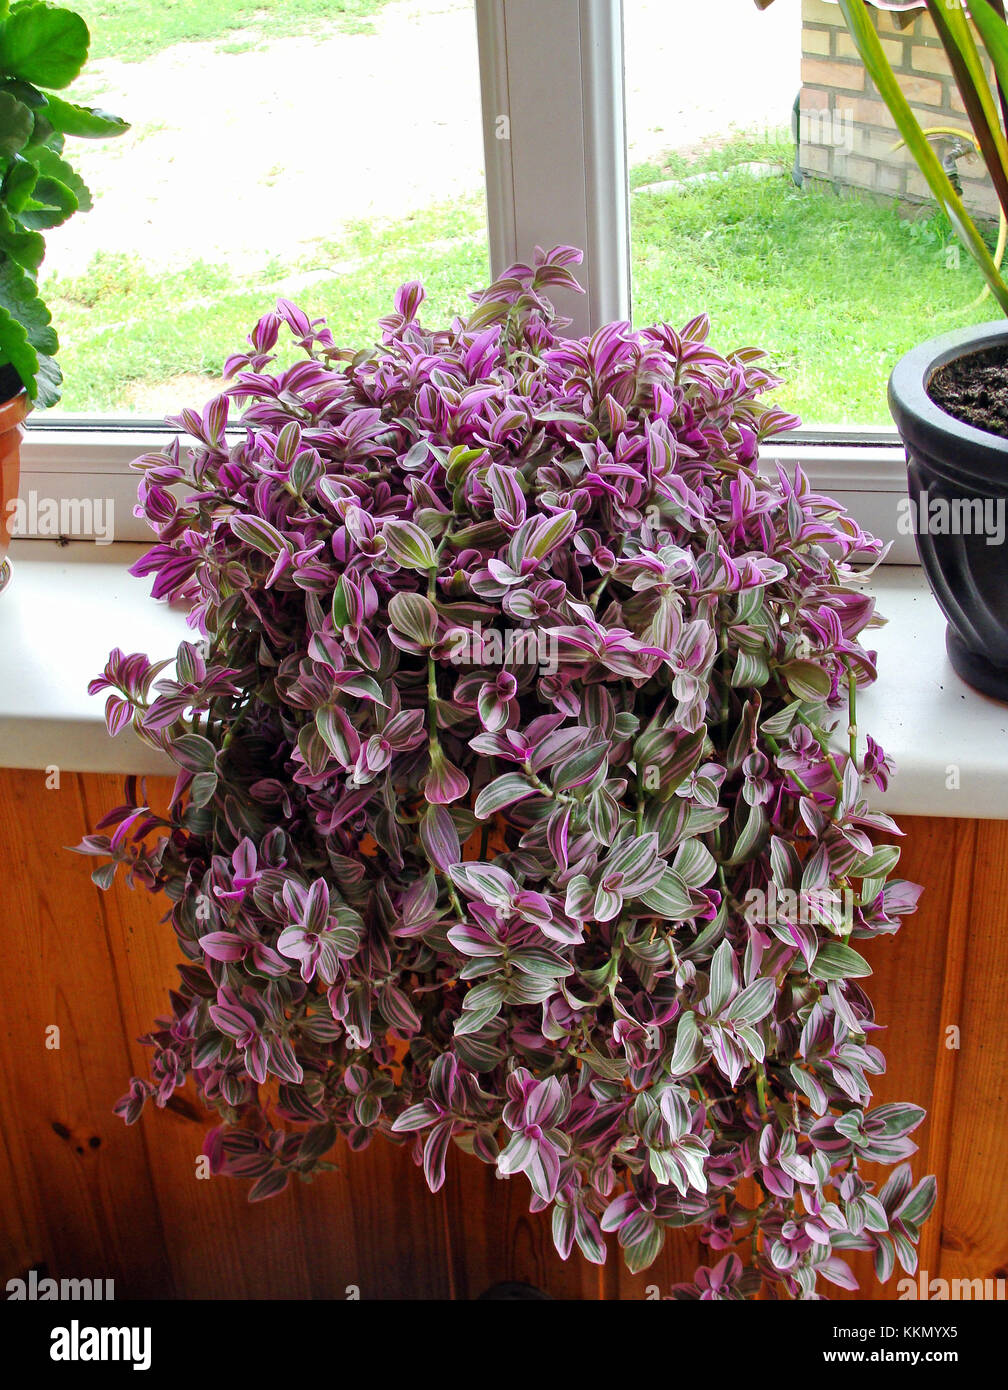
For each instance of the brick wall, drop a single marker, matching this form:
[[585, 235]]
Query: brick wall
[[847, 133]]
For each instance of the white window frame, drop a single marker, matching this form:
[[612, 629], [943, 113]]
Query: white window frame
[[554, 132]]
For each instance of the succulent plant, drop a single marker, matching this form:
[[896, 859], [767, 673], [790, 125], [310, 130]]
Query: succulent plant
[[42, 46]]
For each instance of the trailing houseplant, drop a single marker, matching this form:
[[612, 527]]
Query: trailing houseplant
[[509, 813], [949, 396], [43, 48]]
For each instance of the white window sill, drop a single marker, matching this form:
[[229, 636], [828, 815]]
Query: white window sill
[[67, 607]]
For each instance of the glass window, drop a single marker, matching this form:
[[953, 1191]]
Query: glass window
[[808, 253], [318, 150]]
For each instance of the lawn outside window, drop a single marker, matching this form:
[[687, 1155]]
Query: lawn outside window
[[553, 89]]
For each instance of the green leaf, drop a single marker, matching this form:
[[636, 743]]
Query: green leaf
[[642, 1253], [967, 68], [694, 863], [806, 680], [24, 91], [18, 351], [505, 790], [202, 788], [27, 248], [878, 863], [414, 616], [895, 1120], [835, 961], [473, 1020], [19, 183], [754, 1002], [358, 683], [20, 297], [16, 124], [48, 381], [751, 838], [330, 724], [751, 669], [340, 611], [51, 203], [258, 533], [194, 753], [994, 33], [869, 45], [45, 45], [918, 1206], [42, 135], [659, 753], [669, 898], [408, 545], [722, 978], [690, 1049], [549, 533], [87, 122], [580, 768], [49, 163], [543, 964]]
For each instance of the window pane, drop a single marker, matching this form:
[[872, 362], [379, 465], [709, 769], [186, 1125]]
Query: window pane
[[318, 150], [834, 279]]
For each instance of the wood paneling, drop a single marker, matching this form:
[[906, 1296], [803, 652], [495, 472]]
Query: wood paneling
[[85, 1196]]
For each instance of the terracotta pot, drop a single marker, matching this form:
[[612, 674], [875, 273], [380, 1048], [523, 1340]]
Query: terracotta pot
[[12, 416]]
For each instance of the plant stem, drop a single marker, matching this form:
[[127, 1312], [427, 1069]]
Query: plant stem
[[852, 712]]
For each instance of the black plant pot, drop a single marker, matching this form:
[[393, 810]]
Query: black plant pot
[[957, 472]]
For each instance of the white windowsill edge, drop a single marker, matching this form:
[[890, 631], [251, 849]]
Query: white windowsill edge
[[868, 479], [67, 607]]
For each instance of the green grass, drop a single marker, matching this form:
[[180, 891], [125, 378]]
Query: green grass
[[123, 325], [835, 288], [135, 29]]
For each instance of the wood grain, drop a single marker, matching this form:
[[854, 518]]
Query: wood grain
[[85, 1196]]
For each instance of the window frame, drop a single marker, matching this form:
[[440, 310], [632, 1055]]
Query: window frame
[[561, 180]]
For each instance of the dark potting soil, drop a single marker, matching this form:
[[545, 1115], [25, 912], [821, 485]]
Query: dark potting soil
[[10, 382], [974, 389]]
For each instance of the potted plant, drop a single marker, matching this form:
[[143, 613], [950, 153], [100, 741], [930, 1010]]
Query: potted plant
[[949, 397], [508, 813], [42, 50]]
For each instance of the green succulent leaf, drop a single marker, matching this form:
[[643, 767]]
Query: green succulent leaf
[[20, 297], [16, 124], [44, 44], [48, 381], [27, 248], [19, 183], [43, 133], [24, 91], [18, 351], [86, 122], [52, 166], [51, 203]]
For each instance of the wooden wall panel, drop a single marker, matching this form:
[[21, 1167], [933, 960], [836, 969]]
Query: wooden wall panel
[[910, 990], [974, 1231], [84, 1195], [88, 1192]]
